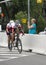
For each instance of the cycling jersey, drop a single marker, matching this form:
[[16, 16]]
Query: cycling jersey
[[19, 27], [13, 25], [10, 26]]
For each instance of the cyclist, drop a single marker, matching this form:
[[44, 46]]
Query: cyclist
[[19, 26], [10, 30]]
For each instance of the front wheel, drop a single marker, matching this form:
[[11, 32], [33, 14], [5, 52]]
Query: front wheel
[[10, 46], [19, 46]]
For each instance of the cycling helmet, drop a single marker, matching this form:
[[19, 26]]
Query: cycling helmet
[[17, 22], [11, 21]]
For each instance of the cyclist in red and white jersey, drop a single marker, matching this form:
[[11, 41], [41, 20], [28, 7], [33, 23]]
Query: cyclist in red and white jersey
[[10, 30]]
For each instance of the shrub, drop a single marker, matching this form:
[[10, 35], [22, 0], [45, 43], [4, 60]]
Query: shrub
[[22, 15], [41, 24]]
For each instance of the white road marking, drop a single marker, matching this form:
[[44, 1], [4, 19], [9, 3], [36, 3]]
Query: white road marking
[[1, 59], [9, 56], [12, 55], [6, 55]]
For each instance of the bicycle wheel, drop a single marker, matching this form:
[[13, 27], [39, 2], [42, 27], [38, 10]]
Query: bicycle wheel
[[10, 46], [15, 44], [19, 46]]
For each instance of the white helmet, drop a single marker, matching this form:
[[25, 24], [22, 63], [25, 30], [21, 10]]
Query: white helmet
[[11, 21]]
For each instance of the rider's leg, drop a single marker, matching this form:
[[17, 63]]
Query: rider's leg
[[8, 41], [12, 38]]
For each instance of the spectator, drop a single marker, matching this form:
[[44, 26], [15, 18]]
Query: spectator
[[32, 27], [45, 29], [43, 32]]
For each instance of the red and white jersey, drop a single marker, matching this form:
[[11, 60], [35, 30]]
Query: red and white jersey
[[10, 26]]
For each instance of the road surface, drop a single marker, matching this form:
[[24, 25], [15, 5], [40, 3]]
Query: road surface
[[25, 58]]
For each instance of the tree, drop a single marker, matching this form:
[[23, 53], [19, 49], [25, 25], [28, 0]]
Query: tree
[[22, 5], [35, 11]]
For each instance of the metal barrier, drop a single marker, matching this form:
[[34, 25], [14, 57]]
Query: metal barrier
[[3, 39], [0, 28], [35, 42]]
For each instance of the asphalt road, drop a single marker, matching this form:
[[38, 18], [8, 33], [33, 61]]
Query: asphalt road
[[25, 58]]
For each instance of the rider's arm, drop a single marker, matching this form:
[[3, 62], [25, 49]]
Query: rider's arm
[[7, 28], [7, 31], [22, 31]]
